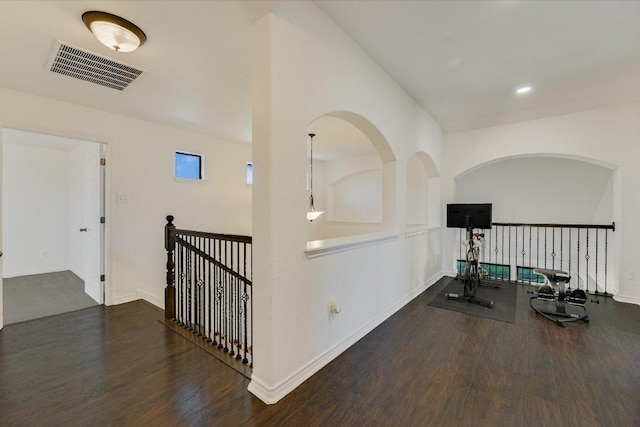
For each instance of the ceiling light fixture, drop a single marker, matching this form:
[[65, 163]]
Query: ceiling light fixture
[[312, 213], [522, 90], [114, 32]]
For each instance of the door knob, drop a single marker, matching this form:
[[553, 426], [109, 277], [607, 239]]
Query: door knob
[[83, 229]]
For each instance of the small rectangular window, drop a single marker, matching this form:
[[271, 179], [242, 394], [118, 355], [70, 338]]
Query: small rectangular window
[[188, 166], [249, 173]]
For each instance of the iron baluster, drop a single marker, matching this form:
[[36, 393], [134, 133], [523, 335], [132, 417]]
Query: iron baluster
[[561, 239], [222, 294], [570, 248], [530, 239], [233, 306], [578, 263], [586, 257], [606, 258], [244, 300], [238, 305], [545, 247], [210, 309], [553, 248]]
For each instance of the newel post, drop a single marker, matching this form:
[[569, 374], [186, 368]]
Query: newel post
[[170, 290]]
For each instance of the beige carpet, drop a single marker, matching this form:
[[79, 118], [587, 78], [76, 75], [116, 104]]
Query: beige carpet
[[42, 295]]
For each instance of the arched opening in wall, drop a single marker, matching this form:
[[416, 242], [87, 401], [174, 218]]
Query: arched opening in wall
[[349, 155], [548, 212], [541, 189], [422, 192]]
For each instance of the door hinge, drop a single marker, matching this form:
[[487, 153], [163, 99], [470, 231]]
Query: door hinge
[[102, 220], [103, 162], [102, 277]]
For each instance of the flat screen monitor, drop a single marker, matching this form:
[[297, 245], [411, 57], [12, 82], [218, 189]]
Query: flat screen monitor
[[474, 215]]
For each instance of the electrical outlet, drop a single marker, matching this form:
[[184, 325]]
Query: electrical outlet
[[122, 199], [334, 308], [633, 276], [45, 254]]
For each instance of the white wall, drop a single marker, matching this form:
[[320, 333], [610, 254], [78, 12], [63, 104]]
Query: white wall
[[140, 166], [541, 189], [294, 333], [351, 193], [607, 137], [36, 202], [417, 192]]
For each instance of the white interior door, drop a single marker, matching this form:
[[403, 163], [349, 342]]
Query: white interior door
[[92, 226]]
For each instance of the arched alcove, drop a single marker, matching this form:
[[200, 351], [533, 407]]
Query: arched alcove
[[353, 177], [422, 191], [541, 188], [547, 195]]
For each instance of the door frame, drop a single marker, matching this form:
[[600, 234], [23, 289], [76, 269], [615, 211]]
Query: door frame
[[106, 145]]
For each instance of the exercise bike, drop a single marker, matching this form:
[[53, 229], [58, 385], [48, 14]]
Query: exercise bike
[[473, 272], [554, 291]]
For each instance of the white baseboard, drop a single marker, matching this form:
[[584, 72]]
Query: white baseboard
[[125, 298], [623, 298], [271, 395], [158, 302]]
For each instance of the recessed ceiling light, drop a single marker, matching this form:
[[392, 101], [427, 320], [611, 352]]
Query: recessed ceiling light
[[523, 90]]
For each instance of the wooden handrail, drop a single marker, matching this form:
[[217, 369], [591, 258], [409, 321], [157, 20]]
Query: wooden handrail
[[611, 226], [229, 237]]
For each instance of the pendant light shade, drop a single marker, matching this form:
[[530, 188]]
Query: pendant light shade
[[113, 31], [312, 213]]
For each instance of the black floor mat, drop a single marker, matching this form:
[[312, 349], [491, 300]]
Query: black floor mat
[[504, 298]]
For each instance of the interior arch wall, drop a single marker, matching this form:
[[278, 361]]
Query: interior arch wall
[[539, 189], [423, 191], [295, 335], [349, 183], [608, 137]]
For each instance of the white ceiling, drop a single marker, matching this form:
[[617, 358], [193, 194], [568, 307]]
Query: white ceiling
[[461, 60], [197, 60]]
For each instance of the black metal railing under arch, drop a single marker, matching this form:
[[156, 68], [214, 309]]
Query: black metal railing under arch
[[209, 288], [511, 251]]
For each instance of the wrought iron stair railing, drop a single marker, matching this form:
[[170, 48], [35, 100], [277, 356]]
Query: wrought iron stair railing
[[209, 289], [512, 250]]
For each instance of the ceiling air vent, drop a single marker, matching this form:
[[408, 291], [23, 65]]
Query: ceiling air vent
[[81, 64]]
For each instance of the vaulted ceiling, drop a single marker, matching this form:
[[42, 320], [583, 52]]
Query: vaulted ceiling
[[462, 61]]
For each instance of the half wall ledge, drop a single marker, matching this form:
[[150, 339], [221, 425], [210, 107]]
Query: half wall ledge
[[318, 248]]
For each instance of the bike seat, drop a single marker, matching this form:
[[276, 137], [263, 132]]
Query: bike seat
[[553, 276]]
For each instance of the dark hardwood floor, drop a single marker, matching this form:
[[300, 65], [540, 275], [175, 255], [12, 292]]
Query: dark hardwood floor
[[424, 366]]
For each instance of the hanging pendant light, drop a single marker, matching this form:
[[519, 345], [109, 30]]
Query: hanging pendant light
[[312, 213]]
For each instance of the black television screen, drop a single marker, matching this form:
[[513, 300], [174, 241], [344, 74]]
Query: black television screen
[[474, 215]]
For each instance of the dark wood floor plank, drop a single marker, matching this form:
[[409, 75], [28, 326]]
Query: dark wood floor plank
[[424, 366]]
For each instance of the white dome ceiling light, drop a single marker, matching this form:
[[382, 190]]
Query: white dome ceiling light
[[113, 31]]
